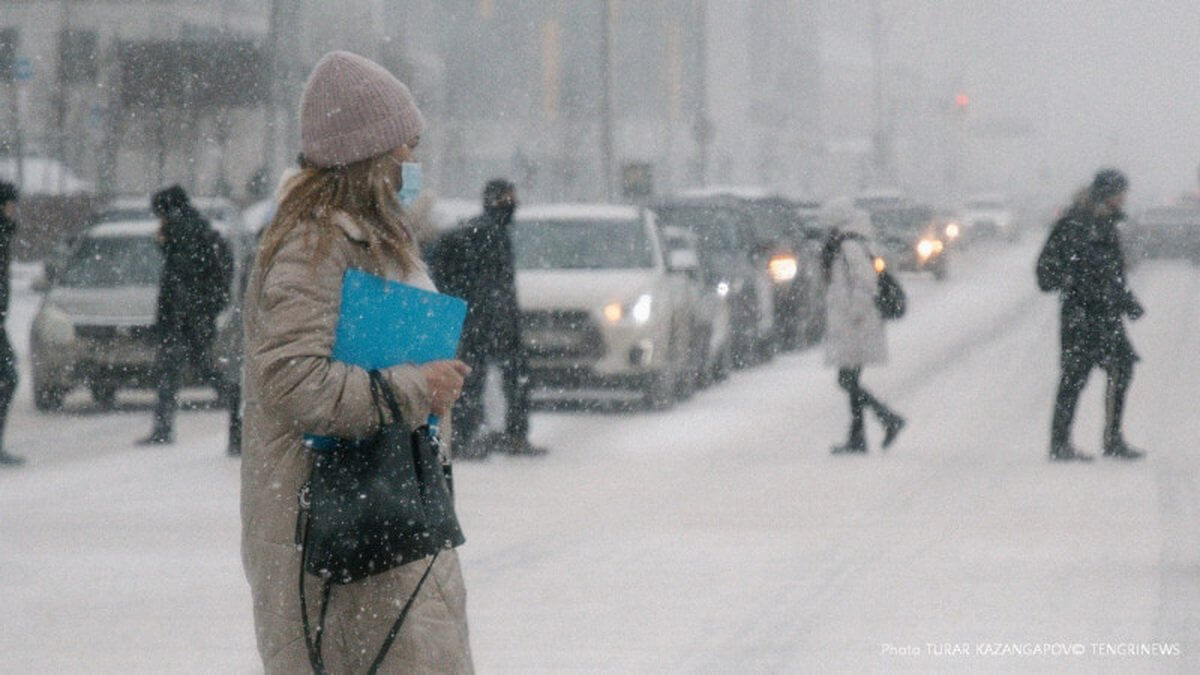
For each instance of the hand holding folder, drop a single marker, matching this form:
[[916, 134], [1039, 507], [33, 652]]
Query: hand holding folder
[[384, 323]]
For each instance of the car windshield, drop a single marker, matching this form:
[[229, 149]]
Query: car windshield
[[905, 221], [577, 244], [107, 262], [715, 228]]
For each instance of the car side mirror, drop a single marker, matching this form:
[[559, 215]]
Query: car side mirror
[[682, 260]]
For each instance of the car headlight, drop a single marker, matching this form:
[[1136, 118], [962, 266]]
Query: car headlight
[[722, 288], [880, 264], [952, 231], [782, 267], [54, 326], [638, 310], [927, 248]]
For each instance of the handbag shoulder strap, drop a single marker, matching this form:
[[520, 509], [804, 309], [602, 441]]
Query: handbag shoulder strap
[[382, 392], [312, 638]]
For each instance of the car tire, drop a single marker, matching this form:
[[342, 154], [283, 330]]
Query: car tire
[[47, 398], [660, 391]]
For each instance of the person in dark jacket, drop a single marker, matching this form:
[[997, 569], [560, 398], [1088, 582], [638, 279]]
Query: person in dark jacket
[[475, 263], [194, 288], [8, 360], [1082, 260]]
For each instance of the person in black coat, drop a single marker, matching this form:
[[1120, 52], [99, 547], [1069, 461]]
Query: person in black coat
[[475, 263], [1082, 260], [8, 360], [194, 288]]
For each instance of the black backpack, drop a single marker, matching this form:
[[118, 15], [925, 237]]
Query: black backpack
[[217, 271]]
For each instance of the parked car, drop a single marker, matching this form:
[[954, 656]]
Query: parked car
[[988, 216], [909, 238], [1164, 232], [603, 302], [734, 262], [787, 231], [95, 324]]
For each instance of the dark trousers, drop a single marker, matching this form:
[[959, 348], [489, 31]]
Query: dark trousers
[[1075, 371], [468, 411], [185, 347], [8, 380], [860, 400]]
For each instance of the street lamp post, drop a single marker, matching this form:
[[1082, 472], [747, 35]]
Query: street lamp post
[[606, 112]]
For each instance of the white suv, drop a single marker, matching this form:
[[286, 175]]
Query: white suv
[[603, 303]]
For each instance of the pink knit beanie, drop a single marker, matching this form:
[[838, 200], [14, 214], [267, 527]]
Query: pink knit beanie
[[352, 109]]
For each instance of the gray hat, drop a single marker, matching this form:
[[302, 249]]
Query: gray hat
[[353, 109]]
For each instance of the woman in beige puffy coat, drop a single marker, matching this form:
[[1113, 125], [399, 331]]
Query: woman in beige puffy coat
[[358, 123]]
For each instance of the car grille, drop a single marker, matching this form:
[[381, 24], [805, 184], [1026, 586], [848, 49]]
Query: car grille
[[561, 334], [114, 333]]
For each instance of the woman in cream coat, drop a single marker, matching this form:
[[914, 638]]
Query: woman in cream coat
[[855, 335], [358, 124]]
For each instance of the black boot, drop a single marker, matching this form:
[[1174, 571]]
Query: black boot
[[892, 424], [1065, 452], [235, 445], [159, 436], [9, 459], [856, 443], [522, 447], [1115, 447], [849, 447]]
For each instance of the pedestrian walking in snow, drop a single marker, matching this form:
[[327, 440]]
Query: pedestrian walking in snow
[[475, 263], [194, 287], [8, 358], [1082, 261], [358, 125], [855, 336]]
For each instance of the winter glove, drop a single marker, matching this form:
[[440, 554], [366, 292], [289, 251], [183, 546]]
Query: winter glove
[[1133, 308]]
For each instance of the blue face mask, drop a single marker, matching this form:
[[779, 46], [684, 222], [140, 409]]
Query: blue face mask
[[410, 183]]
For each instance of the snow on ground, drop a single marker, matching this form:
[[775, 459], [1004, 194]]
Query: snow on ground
[[720, 536]]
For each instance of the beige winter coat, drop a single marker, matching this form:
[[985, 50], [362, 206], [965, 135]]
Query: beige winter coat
[[294, 387]]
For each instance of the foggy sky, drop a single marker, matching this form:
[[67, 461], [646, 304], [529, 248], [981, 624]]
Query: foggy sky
[[1108, 82]]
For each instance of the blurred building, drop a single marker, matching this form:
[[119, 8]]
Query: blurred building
[[133, 94], [130, 95]]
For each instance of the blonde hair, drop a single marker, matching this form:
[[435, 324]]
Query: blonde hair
[[362, 190]]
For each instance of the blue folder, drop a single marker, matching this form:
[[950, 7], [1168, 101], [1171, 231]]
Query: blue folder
[[384, 323]]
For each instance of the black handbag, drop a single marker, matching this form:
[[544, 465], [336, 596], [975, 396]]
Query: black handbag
[[373, 504], [889, 297]]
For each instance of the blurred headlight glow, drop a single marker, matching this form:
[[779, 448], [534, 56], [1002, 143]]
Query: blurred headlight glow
[[952, 231], [782, 268], [641, 308], [723, 288], [880, 265], [613, 312], [927, 248]]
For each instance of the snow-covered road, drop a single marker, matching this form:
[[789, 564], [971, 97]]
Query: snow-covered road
[[720, 536]]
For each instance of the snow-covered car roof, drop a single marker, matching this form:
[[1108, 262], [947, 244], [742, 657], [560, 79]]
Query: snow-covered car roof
[[43, 176], [737, 191], [138, 228], [131, 207], [448, 213], [987, 200], [577, 212]]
